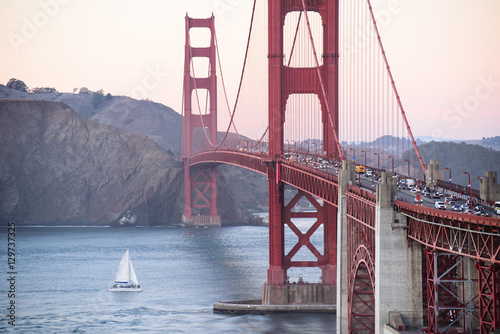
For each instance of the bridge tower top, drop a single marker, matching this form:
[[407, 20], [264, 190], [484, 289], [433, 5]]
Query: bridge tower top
[[286, 80], [194, 117]]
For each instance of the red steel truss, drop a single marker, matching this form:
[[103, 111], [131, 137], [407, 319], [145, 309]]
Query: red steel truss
[[489, 297], [360, 206], [203, 183], [448, 283], [326, 260], [455, 236], [467, 235]]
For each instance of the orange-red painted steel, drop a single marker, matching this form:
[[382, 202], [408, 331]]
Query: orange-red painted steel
[[206, 192], [360, 206]]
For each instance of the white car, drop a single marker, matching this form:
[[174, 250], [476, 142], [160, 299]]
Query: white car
[[440, 205]]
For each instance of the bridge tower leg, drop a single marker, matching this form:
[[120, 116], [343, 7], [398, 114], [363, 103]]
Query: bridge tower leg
[[200, 197], [283, 82]]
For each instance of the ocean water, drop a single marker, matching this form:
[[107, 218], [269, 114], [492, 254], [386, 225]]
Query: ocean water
[[63, 275]]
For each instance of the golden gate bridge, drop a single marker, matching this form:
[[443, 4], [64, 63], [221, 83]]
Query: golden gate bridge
[[314, 101]]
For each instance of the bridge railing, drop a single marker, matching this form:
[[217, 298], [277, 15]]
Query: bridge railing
[[457, 188]]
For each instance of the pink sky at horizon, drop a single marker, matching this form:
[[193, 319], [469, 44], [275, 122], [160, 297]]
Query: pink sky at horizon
[[445, 55]]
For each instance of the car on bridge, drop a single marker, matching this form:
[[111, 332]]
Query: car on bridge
[[457, 208], [360, 169], [482, 213], [497, 208], [440, 205]]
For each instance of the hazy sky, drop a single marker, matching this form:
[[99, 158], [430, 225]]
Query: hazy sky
[[445, 54]]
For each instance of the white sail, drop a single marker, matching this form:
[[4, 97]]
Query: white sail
[[125, 279], [133, 278], [122, 274]]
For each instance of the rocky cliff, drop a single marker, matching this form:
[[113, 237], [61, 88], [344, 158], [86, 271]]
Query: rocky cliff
[[58, 167], [162, 124]]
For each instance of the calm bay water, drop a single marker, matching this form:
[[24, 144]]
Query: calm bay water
[[64, 273]]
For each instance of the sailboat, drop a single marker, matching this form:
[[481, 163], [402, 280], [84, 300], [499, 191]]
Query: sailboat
[[125, 279]]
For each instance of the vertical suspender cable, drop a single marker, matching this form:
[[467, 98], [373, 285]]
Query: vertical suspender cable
[[394, 88]]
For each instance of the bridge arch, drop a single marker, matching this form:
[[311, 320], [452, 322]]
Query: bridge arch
[[361, 293]]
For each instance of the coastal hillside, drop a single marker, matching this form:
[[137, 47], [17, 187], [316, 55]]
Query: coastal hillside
[[60, 168], [158, 122]]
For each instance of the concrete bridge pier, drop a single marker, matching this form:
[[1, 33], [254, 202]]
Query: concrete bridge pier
[[347, 176], [398, 265]]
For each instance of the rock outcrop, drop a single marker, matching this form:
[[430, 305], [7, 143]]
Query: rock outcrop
[[57, 167]]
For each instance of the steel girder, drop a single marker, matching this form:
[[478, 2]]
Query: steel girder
[[361, 293], [202, 183], [307, 179], [473, 237], [311, 181], [449, 292], [246, 160], [361, 208], [489, 297], [322, 216], [461, 234]]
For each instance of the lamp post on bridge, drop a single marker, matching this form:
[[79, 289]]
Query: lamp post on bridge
[[378, 161], [408, 161], [353, 154], [470, 189], [365, 156], [392, 158], [449, 169], [480, 179]]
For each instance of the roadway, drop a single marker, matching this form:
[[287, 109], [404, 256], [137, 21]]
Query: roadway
[[370, 182]]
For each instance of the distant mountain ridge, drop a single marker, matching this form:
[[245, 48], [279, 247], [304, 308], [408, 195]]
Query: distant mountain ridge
[[492, 142]]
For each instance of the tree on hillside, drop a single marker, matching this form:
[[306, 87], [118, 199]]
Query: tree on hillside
[[43, 90], [85, 90], [97, 98], [17, 85]]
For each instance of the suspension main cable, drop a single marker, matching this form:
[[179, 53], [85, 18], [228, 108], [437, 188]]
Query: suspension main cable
[[231, 121], [327, 104], [395, 91]]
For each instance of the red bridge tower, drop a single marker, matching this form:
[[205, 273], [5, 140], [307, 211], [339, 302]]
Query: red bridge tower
[[283, 82], [200, 130]]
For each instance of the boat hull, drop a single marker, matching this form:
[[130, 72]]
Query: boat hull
[[125, 289]]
